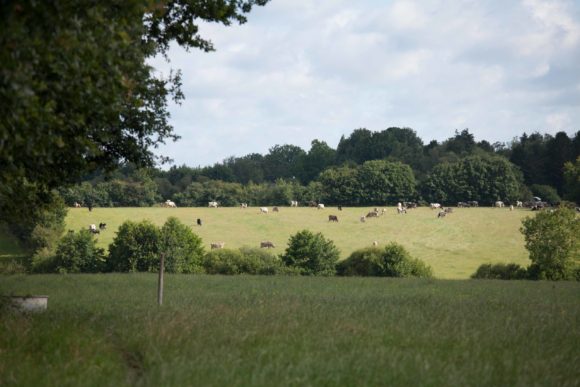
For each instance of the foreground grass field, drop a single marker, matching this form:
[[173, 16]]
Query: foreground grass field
[[454, 246], [275, 331]]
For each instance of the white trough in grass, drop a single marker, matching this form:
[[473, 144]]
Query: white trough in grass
[[30, 304]]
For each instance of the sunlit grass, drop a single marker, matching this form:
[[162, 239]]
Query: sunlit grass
[[454, 246]]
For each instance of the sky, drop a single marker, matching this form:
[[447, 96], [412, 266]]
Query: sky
[[300, 70]]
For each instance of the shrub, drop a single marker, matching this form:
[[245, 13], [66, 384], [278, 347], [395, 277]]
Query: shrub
[[184, 250], [265, 262], [501, 271], [365, 262], [223, 261], [553, 241], [135, 247], [391, 261], [78, 253], [246, 260], [312, 254]]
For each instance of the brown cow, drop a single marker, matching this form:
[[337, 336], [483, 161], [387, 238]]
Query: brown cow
[[218, 245], [267, 244], [332, 218]]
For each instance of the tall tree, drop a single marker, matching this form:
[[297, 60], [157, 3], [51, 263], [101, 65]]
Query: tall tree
[[319, 157], [559, 150], [77, 93], [283, 162]]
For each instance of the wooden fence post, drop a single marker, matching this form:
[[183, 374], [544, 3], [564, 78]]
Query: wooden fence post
[[160, 283]]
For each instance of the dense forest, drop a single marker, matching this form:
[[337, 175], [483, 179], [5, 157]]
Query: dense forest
[[366, 168]]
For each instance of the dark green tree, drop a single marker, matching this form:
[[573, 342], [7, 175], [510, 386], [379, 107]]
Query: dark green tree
[[559, 150], [484, 179], [572, 181], [77, 92], [282, 162], [385, 182], [319, 157]]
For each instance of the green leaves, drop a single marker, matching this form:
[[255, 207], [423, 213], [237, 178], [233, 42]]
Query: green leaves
[[553, 240]]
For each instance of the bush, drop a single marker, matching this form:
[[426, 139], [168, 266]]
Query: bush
[[243, 261], [265, 262], [553, 240], [78, 253], [391, 261], [311, 254], [184, 250], [223, 261], [135, 247], [501, 271], [365, 262]]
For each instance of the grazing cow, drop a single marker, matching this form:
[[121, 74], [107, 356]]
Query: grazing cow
[[199, 221], [448, 210], [320, 206], [499, 203], [410, 205], [519, 203], [401, 210], [441, 214], [375, 243], [363, 219], [77, 205], [170, 204], [293, 203], [244, 205], [511, 207], [462, 204], [473, 203], [372, 214], [340, 208], [332, 218], [312, 204], [218, 245], [275, 209], [90, 208], [212, 204], [93, 229], [102, 226], [383, 211], [267, 244], [435, 205], [263, 210]]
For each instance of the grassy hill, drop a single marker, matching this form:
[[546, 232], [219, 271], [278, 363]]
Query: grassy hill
[[290, 331], [454, 246]]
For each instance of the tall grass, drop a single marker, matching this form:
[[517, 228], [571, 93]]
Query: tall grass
[[277, 331], [454, 246]]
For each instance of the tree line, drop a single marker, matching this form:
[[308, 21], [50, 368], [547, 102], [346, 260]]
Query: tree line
[[367, 168]]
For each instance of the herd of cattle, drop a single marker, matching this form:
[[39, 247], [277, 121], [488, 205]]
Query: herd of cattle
[[402, 208]]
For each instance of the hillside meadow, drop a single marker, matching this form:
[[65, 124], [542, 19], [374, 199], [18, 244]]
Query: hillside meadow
[[454, 246], [290, 331]]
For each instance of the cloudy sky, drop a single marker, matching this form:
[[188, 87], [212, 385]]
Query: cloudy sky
[[317, 69]]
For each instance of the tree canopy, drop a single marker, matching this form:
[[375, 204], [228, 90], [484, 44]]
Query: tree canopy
[[77, 93]]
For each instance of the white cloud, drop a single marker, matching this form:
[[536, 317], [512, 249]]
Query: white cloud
[[306, 69], [558, 121]]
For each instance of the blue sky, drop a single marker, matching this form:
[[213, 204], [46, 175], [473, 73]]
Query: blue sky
[[317, 69]]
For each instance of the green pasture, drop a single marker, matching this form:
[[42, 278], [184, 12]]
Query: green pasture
[[106, 330], [454, 246]]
